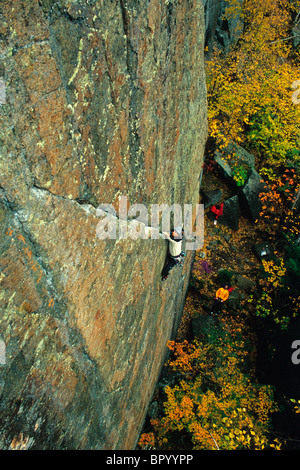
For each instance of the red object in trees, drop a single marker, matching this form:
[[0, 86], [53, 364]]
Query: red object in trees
[[217, 210]]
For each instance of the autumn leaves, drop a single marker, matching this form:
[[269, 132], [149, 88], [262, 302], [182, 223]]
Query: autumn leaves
[[249, 89]]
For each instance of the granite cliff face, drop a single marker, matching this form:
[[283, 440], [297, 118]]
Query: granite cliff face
[[102, 99]]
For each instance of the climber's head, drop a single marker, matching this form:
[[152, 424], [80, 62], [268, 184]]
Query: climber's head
[[176, 233]]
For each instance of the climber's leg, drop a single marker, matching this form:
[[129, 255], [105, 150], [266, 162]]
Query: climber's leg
[[171, 262]]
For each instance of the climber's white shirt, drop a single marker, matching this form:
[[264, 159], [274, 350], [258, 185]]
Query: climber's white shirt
[[174, 247]]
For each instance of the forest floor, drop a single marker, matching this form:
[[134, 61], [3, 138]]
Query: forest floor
[[231, 252], [227, 250]]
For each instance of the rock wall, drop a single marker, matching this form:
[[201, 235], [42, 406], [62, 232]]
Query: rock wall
[[212, 12], [99, 99], [222, 29]]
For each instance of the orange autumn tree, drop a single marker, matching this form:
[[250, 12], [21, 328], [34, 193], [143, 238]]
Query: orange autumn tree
[[278, 214], [279, 282], [250, 88], [215, 405]]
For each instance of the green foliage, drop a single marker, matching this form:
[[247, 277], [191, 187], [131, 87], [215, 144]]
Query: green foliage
[[239, 174], [224, 276]]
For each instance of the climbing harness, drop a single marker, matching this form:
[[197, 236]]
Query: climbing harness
[[178, 262]]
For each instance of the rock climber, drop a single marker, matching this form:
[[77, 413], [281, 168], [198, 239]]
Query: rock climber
[[217, 209], [222, 295], [175, 253]]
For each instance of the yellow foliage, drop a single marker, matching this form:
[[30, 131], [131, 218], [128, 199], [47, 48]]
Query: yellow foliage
[[274, 273], [249, 90], [220, 408]]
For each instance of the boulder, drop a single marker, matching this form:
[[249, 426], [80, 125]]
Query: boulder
[[249, 196], [234, 296], [233, 156], [228, 30], [240, 154], [244, 283], [231, 212], [211, 197], [296, 31], [263, 251], [224, 167], [202, 326]]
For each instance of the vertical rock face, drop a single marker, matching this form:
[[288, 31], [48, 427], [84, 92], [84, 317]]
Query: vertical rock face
[[100, 99], [212, 9], [222, 28]]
